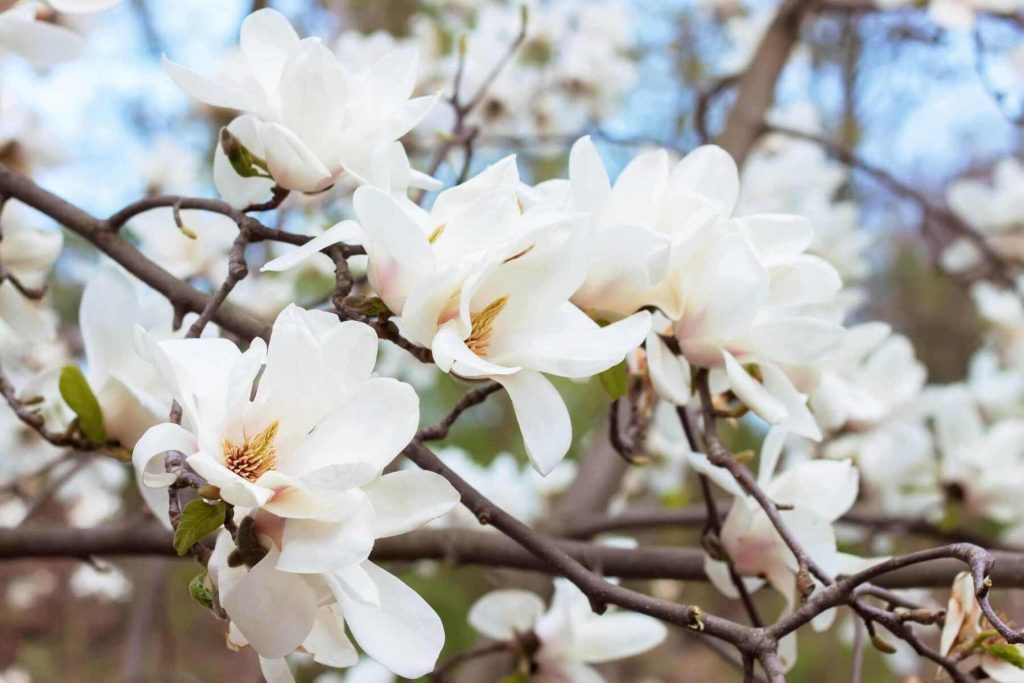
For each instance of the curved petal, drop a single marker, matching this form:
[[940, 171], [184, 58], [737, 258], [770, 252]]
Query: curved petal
[[333, 235], [752, 392], [669, 373], [404, 633], [292, 164], [501, 614], [40, 42], [591, 188], [327, 641], [542, 416], [150, 473], [311, 547], [210, 92], [408, 499], [599, 639]]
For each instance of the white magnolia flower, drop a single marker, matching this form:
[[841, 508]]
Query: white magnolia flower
[[28, 254], [201, 252], [964, 623], [309, 117], [819, 491], [108, 583], [310, 443], [984, 462], [1003, 311], [277, 612], [740, 296], [867, 378], [570, 637], [486, 285], [993, 209], [42, 43]]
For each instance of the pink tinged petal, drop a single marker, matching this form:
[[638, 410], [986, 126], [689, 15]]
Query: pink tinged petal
[[41, 43], [542, 416], [376, 423], [752, 393], [292, 164], [404, 634], [150, 473], [274, 610], [452, 355], [405, 500], [428, 302], [669, 373], [599, 638], [293, 500], [591, 188], [266, 39], [312, 547], [335, 234], [710, 173], [238, 191], [397, 246], [501, 614], [210, 92], [276, 670], [327, 641]]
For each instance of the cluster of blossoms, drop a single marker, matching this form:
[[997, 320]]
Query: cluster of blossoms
[[671, 273]]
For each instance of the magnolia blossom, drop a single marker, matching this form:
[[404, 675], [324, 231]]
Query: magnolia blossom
[[739, 294], [278, 612], [27, 254], [200, 248], [993, 209], [570, 637], [310, 443], [818, 491], [963, 626], [484, 282], [309, 117]]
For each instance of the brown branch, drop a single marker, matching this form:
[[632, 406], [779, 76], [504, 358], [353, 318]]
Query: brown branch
[[471, 398]]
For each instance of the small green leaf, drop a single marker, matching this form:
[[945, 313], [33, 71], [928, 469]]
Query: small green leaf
[[245, 163], [75, 391], [514, 678], [199, 591], [368, 306], [615, 380], [197, 520], [1006, 652]]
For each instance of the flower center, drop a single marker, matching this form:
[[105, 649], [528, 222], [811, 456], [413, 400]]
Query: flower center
[[479, 338], [254, 456]]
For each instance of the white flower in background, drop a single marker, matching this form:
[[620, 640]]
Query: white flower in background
[[108, 583], [993, 209], [28, 254], [963, 628], [666, 445], [998, 389], [309, 117], [1003, 311], [278, 612], [516, 489], [26, 144], [201, 251], [819, 491], [167, 167], [310, 444], [570, 637], [25, 33], [984, 462], [741, 297], [867, 378]]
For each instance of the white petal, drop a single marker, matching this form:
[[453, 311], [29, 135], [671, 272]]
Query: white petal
[[327, 641], [210, 92], [405, 500], [591, 188], [669, 373], [276, 670], [238, 191], [292, 164], [333, 235], [82, 6], [311, 547], [501, 614], [40, 42], [274, 610], [542, 416], [404, 634], [599, 639], [266, 39], [710, 173], [752, 393], [150, 473]]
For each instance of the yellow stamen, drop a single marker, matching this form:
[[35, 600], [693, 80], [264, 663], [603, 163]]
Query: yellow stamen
[[437, 233], [483, 325], [254, 456]]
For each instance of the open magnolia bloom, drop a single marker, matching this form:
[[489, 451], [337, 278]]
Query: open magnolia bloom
[[311, 116], [994, 210], [967, 634], [278, 613], [486, 286], [564, 641], [815, 494], [307, 445], [27, 254], [740, 295]]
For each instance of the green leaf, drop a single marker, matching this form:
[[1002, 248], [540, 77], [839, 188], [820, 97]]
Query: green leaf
[[368, 306], [615, 380], [76, 393], [514, 678], [245, 163], [199, 591], [197, 520], [1007, 653]]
